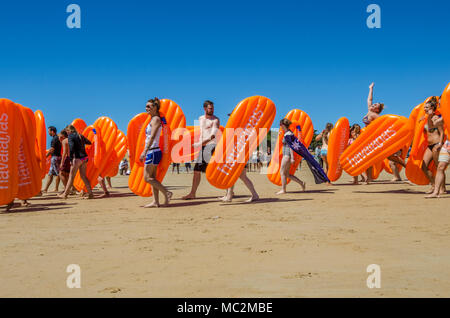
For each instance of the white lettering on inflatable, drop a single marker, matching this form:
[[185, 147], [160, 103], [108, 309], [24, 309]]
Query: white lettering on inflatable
[[4, 151], [24, 171], [370, 148], [239, 147]]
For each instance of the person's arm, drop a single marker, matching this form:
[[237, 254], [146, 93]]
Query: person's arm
[[71, 146], [370, 97], [437, 120], [156, 123], [441, 134], [86, 141], [292, 155], [65, 152], [51, 150]]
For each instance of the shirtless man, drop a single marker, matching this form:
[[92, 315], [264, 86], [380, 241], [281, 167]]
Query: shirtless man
[[209, 126], [324, 135]]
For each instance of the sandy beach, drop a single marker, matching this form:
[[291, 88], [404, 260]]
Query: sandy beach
[[313, 244]]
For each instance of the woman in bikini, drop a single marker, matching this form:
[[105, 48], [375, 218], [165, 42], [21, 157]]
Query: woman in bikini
[[152, 154], [325, 135], [373, 112], [435, 135], [79, 158], [287, 159]]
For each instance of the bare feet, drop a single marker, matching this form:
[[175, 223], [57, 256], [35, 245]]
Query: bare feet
[[62, 196], [303, 185], [105, 195], [432, 196], [9, 206], [431, 190], [190, 196], [168, 198], [89, 197], [26, 203], [152, 205], [396, 180], [252, 199], [281, 192]]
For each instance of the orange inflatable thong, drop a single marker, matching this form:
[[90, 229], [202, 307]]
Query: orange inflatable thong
[[175, 119], [29, 171], [134, 127], [337, 142], [11, 127], [41, 141], [382, 138], [120, 149], [245, 130], [305, 134], [445, 108]]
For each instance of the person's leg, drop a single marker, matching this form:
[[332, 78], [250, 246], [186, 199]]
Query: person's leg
[[395, 171], [108, 181], [229, 194], [397, 159], [369, 173], [439, 180], [249, 184], [427, 157], [73, 172], [83, 176], [103, 186], [325, 163], [355, 180], [64, 178], [49, 182], [195, 183], [300, 182], [57, 180], [284, 172], [150, 177]]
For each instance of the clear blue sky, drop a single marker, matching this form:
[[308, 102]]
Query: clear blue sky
[[318, 56]]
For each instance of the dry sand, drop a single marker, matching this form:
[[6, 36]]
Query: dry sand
[[313, 244]]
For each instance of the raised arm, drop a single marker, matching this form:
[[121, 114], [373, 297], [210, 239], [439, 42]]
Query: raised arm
[[370, 97]]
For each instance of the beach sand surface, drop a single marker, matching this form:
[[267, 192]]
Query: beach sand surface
[[317, 243]]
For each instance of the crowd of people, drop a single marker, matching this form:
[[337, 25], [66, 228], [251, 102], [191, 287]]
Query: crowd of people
[[68, 155]]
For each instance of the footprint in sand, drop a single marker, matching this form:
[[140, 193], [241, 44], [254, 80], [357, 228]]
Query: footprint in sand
[[112, 290]]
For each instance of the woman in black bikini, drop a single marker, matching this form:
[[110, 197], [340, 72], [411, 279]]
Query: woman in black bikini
[[435, 136], [79, 161]]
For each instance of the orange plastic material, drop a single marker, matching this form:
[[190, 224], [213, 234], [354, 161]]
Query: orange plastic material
[[134, 127], [184, 151], [29, 173], [382, 138], [79, 125], [175, 119], [376, 169], [305, 135], [11, 126], [245, 130], [337, 142], [103, 142], [41, 141], [445, 108], [120, 149]]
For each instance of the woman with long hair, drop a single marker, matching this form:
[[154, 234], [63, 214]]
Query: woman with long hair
[[287, 159], [152, 154], [435, 136], [79, 158]]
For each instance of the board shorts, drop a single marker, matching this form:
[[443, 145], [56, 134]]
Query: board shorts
[[444, 154], [153, 157], [55, 162], [201, 162], [323, 152], [66, 165]]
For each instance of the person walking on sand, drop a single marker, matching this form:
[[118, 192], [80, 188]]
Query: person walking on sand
[[64, 168], [287, 159], [325, 135], [55, 152], [79, 158], [152, 154], [443, 161], [209, 126], [248, 183]]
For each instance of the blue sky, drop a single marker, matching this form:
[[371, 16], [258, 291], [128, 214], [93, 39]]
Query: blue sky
[[318, 56]]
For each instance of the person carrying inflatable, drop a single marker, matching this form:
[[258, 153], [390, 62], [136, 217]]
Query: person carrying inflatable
[[288, 158], [324, 136], [355, 131], [55, 153], [79, 158], [434, 130], [209, 127], [152, 154], [374, 111]]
